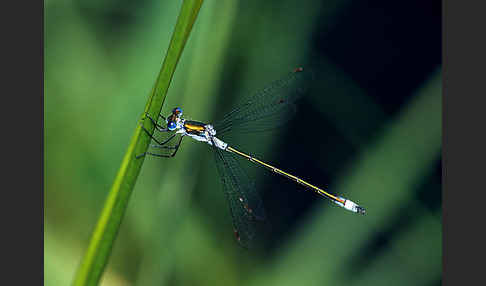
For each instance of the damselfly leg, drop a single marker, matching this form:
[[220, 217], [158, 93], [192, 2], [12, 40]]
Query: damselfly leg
[[175, 148], [161, 145], [158, 126]]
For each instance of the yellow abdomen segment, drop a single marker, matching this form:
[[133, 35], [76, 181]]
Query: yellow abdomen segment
[[192, 127]]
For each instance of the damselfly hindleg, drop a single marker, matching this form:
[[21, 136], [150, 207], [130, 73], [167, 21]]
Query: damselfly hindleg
[[155, 139], [175, 148]]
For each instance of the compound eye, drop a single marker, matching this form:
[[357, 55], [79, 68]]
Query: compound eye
[[178, 111], [171, 125]]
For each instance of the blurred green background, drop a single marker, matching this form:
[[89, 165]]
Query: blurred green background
[[370, 130]]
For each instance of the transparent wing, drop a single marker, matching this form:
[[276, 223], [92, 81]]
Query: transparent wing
[[268, 108], [245, 204]]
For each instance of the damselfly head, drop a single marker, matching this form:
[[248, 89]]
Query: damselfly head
[[174, 119], [177, 111], [171, 125]]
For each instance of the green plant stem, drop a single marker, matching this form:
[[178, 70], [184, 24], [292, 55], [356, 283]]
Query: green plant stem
[[105, 232]]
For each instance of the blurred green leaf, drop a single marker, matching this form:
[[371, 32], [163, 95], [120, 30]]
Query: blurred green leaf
[[104, 235]]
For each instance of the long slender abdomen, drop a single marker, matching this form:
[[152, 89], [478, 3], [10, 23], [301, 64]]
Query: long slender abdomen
[[342, 202]]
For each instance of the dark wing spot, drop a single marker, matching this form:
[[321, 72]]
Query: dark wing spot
[[237, 235]]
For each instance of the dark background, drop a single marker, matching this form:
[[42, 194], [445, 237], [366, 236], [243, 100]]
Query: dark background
[[369, 130]]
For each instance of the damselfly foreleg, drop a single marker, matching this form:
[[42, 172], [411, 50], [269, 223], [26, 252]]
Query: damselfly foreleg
[[158, 126]]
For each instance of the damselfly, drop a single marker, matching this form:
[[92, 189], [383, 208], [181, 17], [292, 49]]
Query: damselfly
[[264, 110]]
